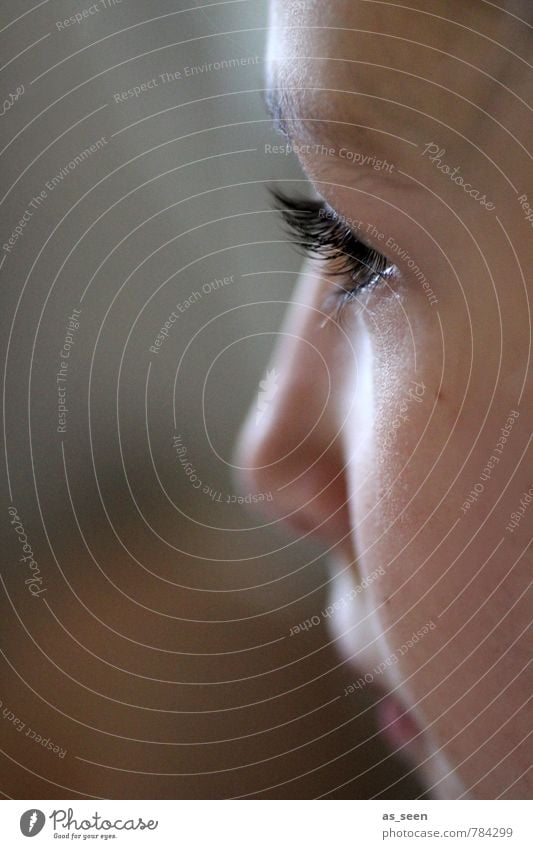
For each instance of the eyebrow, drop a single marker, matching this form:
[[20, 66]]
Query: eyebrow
[[279, 104], [273, 103]]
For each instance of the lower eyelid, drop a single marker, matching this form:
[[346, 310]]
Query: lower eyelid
[[346, 255], [372, 279], [344, 293]]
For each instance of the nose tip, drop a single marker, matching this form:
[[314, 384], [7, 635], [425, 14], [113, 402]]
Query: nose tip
[[284, 453]]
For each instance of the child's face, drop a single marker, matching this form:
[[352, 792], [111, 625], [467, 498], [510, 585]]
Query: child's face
[[399, 432]]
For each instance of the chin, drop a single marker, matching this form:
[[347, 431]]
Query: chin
[[358, 638]]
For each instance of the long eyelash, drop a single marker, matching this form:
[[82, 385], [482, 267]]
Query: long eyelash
[[320, 232]]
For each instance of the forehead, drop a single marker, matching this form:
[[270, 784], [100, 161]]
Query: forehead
[[381, 65], [448, 24]]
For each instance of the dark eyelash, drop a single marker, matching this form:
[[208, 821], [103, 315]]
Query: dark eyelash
[[320, 232]]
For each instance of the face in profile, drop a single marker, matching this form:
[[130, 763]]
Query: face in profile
[[399, 431]]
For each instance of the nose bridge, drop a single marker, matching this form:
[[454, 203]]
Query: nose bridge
[[295, 394], [306, 383], [293, 448]]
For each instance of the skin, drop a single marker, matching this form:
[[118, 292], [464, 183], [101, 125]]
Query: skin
[[385, 419]]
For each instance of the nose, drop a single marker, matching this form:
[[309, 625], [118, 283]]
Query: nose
[[291, 444]]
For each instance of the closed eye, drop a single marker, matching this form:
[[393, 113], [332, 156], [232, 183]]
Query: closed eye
[[320, 232]]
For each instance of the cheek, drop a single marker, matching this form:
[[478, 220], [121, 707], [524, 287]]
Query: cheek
[[403, 504], [418, 440], [402, 419], [422, 435], [407, 450]]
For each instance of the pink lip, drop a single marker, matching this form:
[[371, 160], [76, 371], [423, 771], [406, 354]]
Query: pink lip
[[395, 723]]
